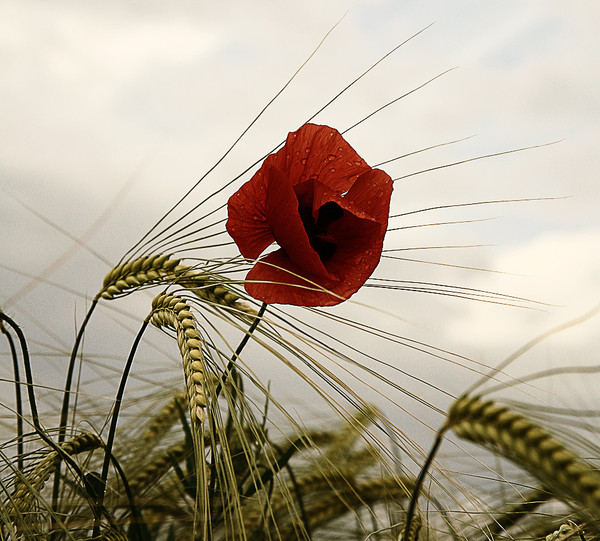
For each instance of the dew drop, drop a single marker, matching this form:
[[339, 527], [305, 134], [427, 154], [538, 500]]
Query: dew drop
[[349, 163], [303, 161], [331, 157], [332, 170], [358, 162], [340, 149], [307, 150]]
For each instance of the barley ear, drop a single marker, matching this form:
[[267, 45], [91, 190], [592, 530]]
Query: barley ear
[[173, 312], [164, 269], [530, 446], [212, 288], [146, 270], [566, 531], [415, 529], [29, 485], [151, 472], [160, 423]]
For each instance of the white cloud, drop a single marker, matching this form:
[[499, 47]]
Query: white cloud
[[559, 268]]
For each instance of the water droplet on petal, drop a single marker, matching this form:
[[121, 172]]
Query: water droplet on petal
[[332, 170], [307, 150], [303, 161], [331, 157], [349, 163], [358, 162]]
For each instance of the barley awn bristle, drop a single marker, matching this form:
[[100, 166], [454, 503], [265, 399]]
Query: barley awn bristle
[[528, 445]]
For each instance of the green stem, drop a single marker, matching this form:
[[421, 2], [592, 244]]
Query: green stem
[[113, 426], [18, 398]]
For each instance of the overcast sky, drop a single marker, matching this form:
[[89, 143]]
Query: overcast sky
[[144, 96]]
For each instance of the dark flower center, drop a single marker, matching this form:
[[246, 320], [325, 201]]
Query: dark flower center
[[318, 236]]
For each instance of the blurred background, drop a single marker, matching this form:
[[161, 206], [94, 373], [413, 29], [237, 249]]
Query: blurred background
[[110, 111]]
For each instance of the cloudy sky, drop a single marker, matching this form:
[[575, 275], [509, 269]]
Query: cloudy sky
[[110, 111]]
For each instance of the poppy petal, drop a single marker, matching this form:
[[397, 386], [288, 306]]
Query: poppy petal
[[286, 225], [373, 191], [277, 279], [247, 218], [319, 152]]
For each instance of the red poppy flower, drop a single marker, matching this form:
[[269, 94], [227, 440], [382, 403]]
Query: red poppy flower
[[325, 208]]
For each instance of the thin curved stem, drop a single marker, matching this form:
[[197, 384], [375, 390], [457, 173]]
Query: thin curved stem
[[241, 346], [33, 403], [18, 398], [64, 412], [113, 426], [419, 482], [230, 371]]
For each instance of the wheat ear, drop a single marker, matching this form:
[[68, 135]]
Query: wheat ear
[[160, 423], [517, 512], [346, 497], [173, 312], [566, 531], [152, 471], [528, 445], [28, 486], [415, 529], [113, 534], [139, 272], [163, 269]]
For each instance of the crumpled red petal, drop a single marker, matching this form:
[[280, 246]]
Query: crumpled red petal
[[286, 226]]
